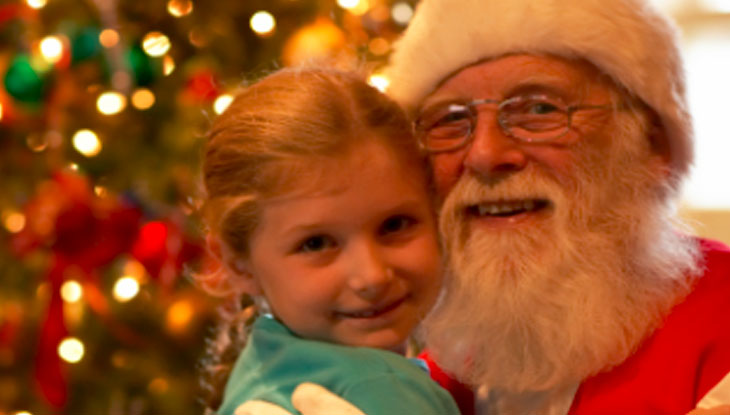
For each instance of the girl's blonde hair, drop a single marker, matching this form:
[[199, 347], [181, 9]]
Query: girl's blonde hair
[[261, 147]]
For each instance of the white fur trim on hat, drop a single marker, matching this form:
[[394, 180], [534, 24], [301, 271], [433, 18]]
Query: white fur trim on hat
[[627, 39]]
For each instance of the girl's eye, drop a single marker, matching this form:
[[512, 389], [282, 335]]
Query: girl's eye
[[396, 224], [316, 243]]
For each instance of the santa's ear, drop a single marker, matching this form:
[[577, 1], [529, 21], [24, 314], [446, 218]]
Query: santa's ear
[[658, 138], [241, 278]]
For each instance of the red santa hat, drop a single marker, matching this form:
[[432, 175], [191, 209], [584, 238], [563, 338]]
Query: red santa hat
[[627, 39]]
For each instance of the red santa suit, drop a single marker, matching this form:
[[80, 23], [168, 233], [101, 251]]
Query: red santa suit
[[684, 365]]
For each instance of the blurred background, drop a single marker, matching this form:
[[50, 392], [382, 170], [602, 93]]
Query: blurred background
[[103, 108]]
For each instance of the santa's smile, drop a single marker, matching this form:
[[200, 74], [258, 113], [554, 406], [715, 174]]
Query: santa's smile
[[508, 211]]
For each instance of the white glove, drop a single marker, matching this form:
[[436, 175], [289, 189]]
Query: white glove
[[308, 398]]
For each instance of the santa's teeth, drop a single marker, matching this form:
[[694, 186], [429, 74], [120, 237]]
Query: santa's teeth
[[506, 207]]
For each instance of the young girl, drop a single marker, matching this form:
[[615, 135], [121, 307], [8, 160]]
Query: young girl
[[318, 207]]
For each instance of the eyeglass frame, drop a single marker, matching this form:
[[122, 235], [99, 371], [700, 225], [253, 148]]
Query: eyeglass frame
[[473, 115]]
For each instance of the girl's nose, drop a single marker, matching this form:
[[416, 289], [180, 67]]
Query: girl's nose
[[370, 275]]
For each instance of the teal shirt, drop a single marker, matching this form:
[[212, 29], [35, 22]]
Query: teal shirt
[[379, 382]]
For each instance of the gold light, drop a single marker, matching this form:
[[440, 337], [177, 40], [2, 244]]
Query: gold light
[[111, 102], [1, 111], [179, 315], [158, 386], [379, 46], [14, 221], [179, 8], [263, 23], [143, 99], [168, 65], [155, 44], [380, 82], [51, 49], [87, 143], [71, 350], [402, 13], [126, 288], [71, 291], [356, 7], [109, 38], [36, 4], [222, 102]]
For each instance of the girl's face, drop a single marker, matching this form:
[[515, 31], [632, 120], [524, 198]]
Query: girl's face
[[352, 258]]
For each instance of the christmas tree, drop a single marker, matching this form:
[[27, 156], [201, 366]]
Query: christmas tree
[[104, 106]]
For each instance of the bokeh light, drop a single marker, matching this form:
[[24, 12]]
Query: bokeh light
[[51, 49], [71, 291], [143, 99], [179, 8], [71, 350], [125, 289], [263, 23], [179, 316], [402, 13], [111, 102], [356, 7], [36, 4], [13, 221], [381, 82], [168, 65], [222, 102], [86, 142], [155, 44], [109, 38]]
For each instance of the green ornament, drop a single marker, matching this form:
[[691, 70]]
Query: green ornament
[[23, 82], [145, 68], [85, 45]]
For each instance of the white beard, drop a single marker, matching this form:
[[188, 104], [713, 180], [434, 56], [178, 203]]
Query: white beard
[[574, 295]]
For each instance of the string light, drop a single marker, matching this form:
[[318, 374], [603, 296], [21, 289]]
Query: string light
[[37, 142], [111, 102], [379, 46], [158, 386], [14, 221], [222, 102], [380, 82], [51, 49], [1, 111], [87, 143], [22, 413], [402, 13], [36, 4], [155, 44], [356, 7], [179, 315], [71, 350], [109, 38], [179, 8], [125, 289], [168, 65], [263, 23], [71, 291], [143, 99], [101, 191]]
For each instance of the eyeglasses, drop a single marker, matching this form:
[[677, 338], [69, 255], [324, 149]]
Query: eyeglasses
[[528, 118]]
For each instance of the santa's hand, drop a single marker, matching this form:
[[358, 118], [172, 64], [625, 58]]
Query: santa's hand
[[312, 399], [260, 408]]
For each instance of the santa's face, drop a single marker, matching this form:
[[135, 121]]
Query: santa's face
[[545, 241]]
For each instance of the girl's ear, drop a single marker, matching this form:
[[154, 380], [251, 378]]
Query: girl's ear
[[241, 279]]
